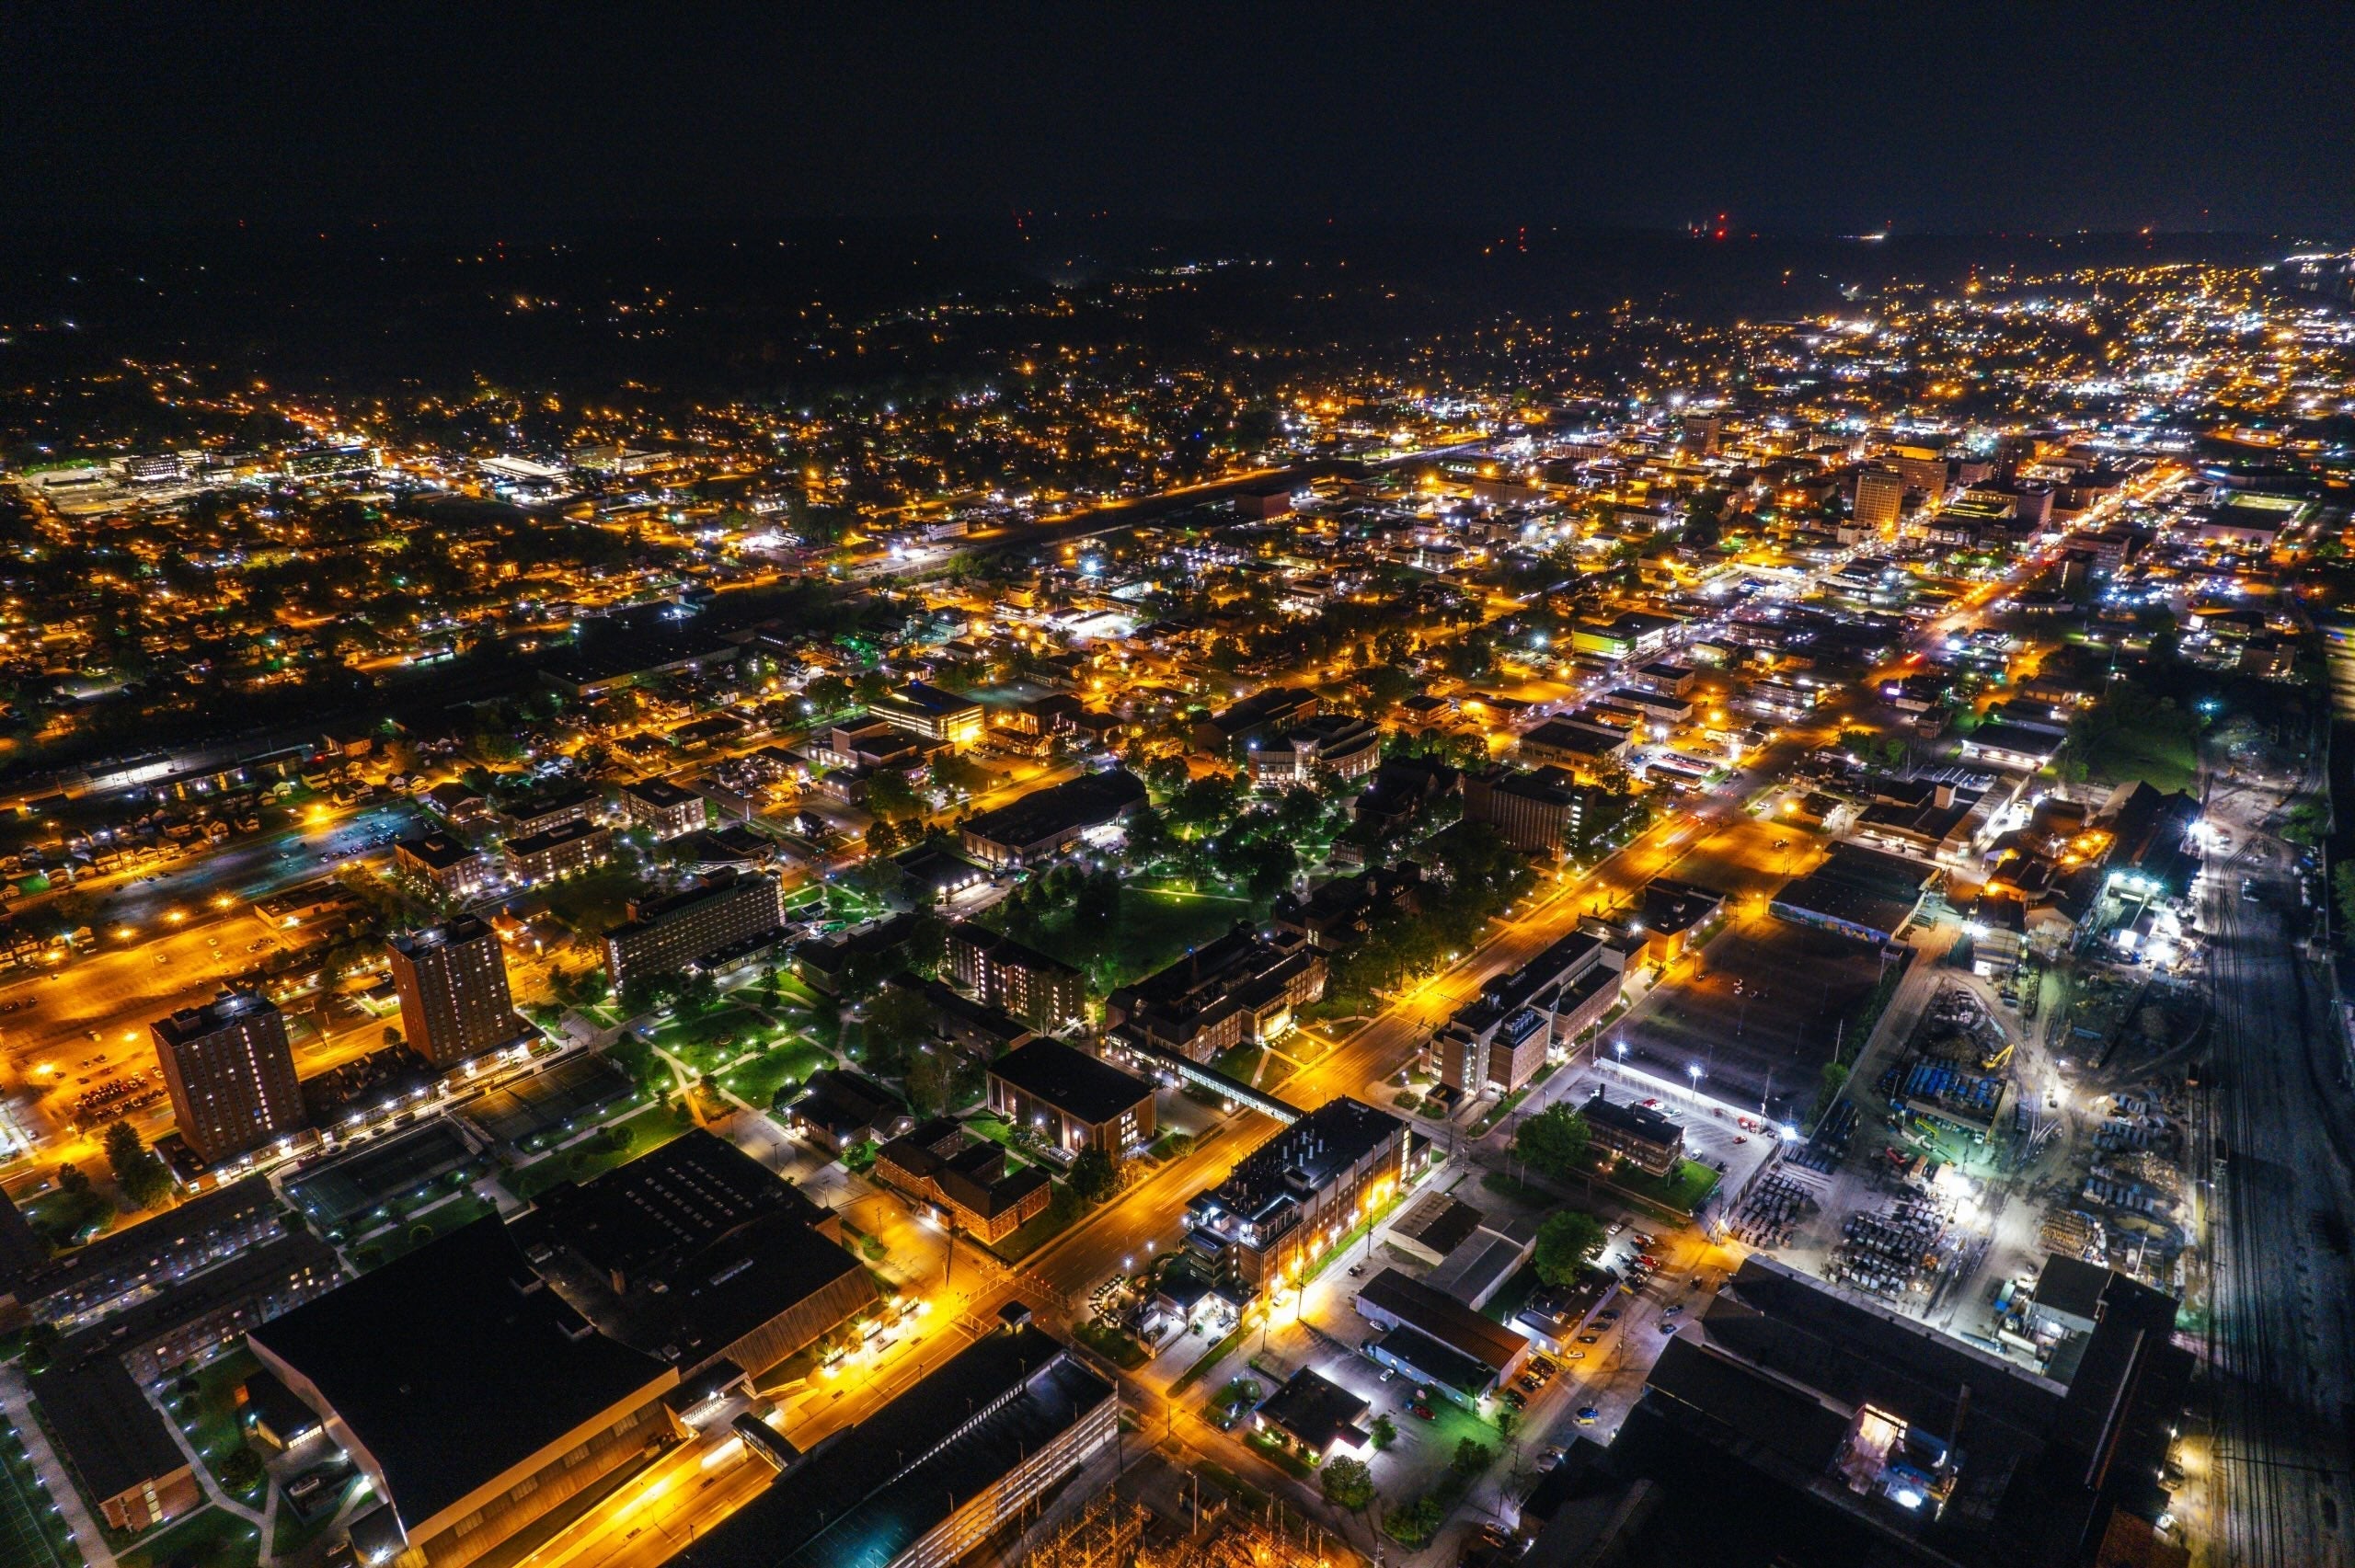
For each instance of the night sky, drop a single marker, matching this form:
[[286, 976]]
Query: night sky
[[1799, 119]]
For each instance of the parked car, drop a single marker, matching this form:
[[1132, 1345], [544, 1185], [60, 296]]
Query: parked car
[[1589, 1415]]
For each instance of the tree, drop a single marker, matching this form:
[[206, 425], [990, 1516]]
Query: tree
[[898, 1020], [40, 1347], [1470, 1458], [140, 1176], [827, 694], [1094, 1176], [1347, 1482], [1566, 1243], [1553, 1142], [2342, 888], [1385, 1431]]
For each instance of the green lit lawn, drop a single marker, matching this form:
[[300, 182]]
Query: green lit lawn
[[82, 1216], [648, 1130], [1152, 930], [214, 1537], [757, 1081], [1682, 1190]]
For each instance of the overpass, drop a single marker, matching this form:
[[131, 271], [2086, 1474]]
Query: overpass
[[1188, 1070]]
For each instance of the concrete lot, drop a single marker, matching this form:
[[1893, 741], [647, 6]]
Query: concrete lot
[[1759, 1010]]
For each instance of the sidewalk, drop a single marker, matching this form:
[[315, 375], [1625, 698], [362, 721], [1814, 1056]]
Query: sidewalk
[[16, 1399]]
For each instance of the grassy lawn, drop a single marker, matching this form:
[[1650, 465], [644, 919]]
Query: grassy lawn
[[209, 1415], [1282, 1457], [757, 1080], [214, 1537], [58, 1215], [1152, 931], [411, 1231], [30, 1533], [1682, 1190], [1110, 1344], [706, 1041], [648, 1130]]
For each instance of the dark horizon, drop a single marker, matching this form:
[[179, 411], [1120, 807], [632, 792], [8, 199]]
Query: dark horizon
[[1793, 120]]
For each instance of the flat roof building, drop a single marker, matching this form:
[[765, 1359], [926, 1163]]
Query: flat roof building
[[230, 1074], [451, 867], [121, 1455], [1292, 1197], [1044, 823], [473, 1397], [1044, 992], [662, 807], [722, 916], [931, 714], [1398, 1301], [934, 1471], [1074, 1100], [451, 980], [696, 1254], [577, 845], [1642, 1136]]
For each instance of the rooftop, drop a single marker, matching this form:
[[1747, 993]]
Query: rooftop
[[1070, 1079], [863, 1498], [111, 1435], [454, 1364]]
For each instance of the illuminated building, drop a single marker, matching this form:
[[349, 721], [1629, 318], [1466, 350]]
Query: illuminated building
[[453, 984], [931, 714], [230, 1074], [1297, 1194]]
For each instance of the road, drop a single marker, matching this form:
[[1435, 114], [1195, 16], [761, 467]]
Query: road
[[2282, 1331], [161, 945]]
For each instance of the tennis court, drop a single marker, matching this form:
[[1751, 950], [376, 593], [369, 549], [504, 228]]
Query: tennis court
[[372, 1176], [22, 1505], [565, 1096]]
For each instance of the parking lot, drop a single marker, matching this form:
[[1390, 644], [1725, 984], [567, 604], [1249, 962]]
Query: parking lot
[[1760, 1011]]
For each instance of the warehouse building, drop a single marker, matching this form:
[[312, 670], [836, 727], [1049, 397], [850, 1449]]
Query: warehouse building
[[931, 1474], [473, 1397]]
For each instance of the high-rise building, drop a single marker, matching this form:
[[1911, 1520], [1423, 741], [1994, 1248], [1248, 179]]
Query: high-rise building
[[726, 913], [1924, 470], [230, 1073], [453, 985], [1880, 498]]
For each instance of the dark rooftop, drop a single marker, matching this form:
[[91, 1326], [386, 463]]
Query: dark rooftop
[[454, 1364], [1071, 1081], [1083, 802], [1443, 1318], [658, 793], [1636, 1121], [863, 1499], [111, 1435], [437, 851], [1317, 1411]]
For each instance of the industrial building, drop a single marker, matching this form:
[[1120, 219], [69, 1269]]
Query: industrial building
[[934, 1472]]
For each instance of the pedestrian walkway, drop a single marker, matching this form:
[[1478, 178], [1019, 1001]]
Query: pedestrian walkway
[[16, 1400]]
